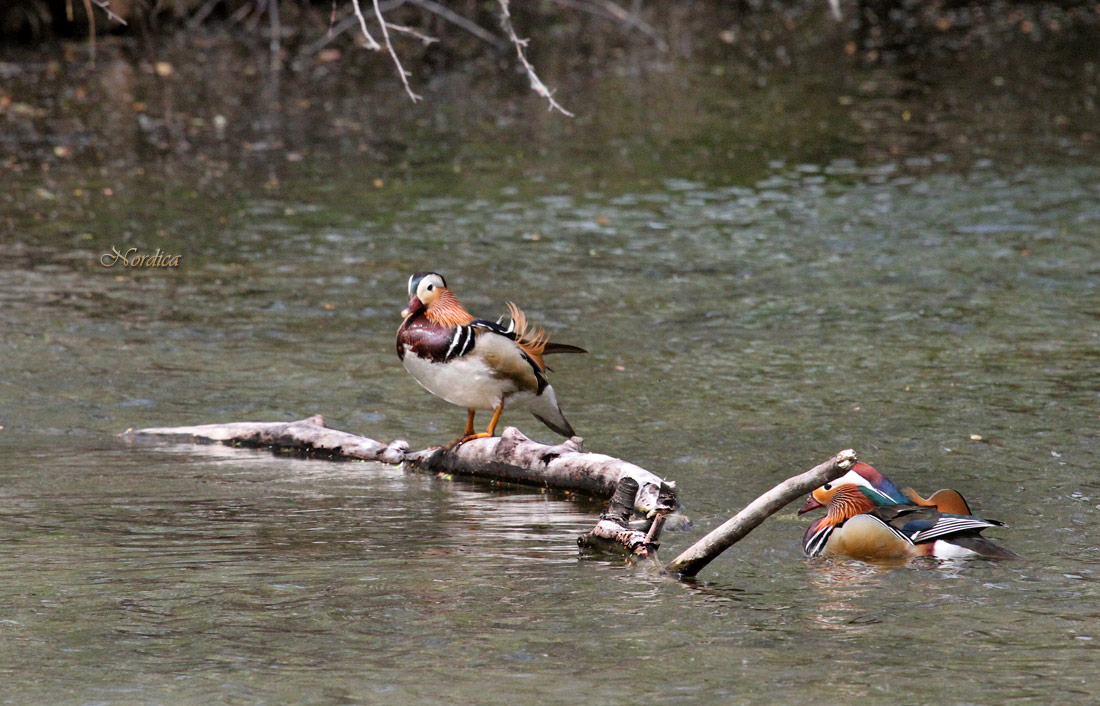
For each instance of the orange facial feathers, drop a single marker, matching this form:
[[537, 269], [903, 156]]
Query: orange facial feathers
[[447, 310]]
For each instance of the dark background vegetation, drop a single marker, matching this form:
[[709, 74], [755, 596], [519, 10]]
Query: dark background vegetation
[[899, 26], [198, 89]]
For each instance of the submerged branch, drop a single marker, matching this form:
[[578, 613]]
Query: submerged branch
[[698, 555]]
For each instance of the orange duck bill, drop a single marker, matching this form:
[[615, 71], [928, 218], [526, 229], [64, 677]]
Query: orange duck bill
[[811, 504]]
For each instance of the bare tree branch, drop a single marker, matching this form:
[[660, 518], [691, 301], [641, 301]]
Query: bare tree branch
[[240, 15], [401, 72], [459, 21], [202, 13], [521, 51], [105, 5], [338, 28], [634, 19], [275, 42], [514, 458], [610, 11], [91, 32], [412, 33], [698, 555], [370, 43]]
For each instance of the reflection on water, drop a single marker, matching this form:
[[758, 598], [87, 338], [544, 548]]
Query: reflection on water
[[843, 588], [802, 289]]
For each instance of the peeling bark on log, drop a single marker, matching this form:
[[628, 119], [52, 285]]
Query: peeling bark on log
[[511, 457], [514, 457], [691, 561]]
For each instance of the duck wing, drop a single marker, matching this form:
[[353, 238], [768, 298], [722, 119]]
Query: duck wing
[[924, 524], [532, 340]]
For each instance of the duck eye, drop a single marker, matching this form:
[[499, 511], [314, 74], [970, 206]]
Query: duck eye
[[431, 287], [828, 486]]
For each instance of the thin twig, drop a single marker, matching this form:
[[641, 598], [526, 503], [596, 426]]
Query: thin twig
[[275, 42], [633, 19], [105, 5], [367, 38], [338, 28], [393, 54], [610, 11], [412, 33], [459, 21], [333, 32], [200, 16], [91, 32], [240, 15], [521, 51]]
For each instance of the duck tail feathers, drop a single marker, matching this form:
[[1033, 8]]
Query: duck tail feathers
[[546, 410], [552, 347]]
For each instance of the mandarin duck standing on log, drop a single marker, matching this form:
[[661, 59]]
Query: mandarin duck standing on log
[[474, 363], [869, 518]]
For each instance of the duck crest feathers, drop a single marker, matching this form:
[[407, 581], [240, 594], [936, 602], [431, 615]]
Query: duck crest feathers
[[447, 310], [531, 340], [847, 502]]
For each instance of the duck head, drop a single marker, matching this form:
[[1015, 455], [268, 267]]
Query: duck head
[[428, 293], [424, 290], [879, 489], [844, 502]]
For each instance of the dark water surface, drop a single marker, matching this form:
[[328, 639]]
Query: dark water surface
[[768, 265]]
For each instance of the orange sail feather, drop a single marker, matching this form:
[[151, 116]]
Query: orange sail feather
[[532, 342]]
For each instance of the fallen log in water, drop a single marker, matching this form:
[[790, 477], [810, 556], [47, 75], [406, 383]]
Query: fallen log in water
[[511, 457]]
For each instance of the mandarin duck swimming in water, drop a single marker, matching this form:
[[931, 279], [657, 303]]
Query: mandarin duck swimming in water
[[869, 518], [474, 363]]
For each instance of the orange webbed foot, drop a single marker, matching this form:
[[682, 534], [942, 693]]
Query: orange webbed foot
[[469, 437]]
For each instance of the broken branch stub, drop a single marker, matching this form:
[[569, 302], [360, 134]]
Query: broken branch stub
[[614, 530]]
